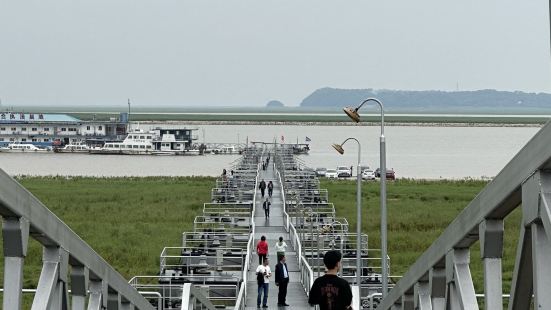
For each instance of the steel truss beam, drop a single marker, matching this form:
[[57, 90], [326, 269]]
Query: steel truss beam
[[461, 293]]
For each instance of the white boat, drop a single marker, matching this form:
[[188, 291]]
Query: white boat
[[23, 148], [73, 148], [137, 142]]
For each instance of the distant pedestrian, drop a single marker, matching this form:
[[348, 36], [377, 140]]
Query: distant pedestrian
[[270, 188], [282, 280], [266, 206], [263, 274], [262, 249], [280, 248], [262, 187], [329, 291], [351, 170]]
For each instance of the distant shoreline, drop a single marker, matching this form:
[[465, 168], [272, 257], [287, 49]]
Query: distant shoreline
[[298, 123]]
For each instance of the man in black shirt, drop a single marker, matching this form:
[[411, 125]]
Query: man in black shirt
[[329, 291]]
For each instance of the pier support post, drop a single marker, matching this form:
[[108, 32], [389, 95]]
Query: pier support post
[[79, 286], [51, 292], [15, 235], [491, 252]]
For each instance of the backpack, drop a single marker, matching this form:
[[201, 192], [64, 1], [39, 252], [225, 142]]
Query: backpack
[[260, 278]]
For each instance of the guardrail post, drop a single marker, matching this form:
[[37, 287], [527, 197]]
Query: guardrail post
[[79, 286], [438, 285], [461, 294], [51, 292], [491, 252], [536, 201], [408, 300], [422, 299], [98, 289], [126, 305], [112, 299], [15, 235]]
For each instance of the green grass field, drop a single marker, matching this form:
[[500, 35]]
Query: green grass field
[[129, 220], [418, 212]]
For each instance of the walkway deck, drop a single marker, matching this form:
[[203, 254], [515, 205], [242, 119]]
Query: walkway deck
[[273, 228]]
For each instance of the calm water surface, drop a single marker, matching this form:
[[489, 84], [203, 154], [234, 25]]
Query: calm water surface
[[413, 152]]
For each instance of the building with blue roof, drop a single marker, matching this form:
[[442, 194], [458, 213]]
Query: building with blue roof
[[45, 129]]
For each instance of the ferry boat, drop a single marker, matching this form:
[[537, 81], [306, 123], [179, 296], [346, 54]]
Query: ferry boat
[[23, 148], [137, 142], [73, 148]]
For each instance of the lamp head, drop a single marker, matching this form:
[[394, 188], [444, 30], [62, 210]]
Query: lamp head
[[352, 113], [338, 148]]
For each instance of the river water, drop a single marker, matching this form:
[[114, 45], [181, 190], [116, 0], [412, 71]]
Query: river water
[[413, 152]]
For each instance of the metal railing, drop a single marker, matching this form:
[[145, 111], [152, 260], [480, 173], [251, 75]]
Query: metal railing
[[442, 274], [90, 276], [306, 273], [242, 295]]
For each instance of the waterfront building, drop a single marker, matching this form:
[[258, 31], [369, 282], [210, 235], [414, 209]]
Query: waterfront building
[[45, 129]]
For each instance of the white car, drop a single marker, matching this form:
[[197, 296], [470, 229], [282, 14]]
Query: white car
[[368, 174], [344, 172], [320, 172], [331, 174]]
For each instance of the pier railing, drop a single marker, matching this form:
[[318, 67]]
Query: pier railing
[[441, 277], [306, 273], [90, 276], [242, 295]]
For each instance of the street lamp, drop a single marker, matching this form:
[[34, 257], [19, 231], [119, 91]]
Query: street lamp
[[355, 116], [339, 148]]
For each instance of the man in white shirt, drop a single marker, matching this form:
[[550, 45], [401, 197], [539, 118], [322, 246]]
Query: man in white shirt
[[266, 273], [282, 280]]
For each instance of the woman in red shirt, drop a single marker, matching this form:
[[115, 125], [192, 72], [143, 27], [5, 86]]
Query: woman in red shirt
[[262, 249]]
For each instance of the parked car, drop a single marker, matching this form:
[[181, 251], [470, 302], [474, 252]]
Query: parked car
[[368, 174], [331, 174], [344, 172], [364, 167], [320, 172], [390, 174]]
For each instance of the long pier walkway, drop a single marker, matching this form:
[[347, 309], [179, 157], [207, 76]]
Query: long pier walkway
[[272, 228]]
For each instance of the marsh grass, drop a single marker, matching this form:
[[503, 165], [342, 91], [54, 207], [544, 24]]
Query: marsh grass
[[126, 220], [418, 212], [129, 220]]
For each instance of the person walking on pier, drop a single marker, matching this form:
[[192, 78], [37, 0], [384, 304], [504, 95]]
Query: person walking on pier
[[270, 188], [266, 206], [329, 291], [280, 247], [262, 250], [282, 280], [263, 274], [262, 187]]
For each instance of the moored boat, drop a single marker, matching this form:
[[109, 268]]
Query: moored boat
[[23, 148]]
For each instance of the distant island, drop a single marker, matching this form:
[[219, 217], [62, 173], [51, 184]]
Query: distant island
[[275, 104], [430, 100]]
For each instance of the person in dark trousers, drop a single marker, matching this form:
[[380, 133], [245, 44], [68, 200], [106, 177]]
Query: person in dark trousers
[[282, 280], [262, 250], [262, 187], [263, 274], [270, 188], [329, 291], [266, 206]]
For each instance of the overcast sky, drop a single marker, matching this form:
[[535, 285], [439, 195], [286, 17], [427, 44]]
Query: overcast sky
[[233, 52]]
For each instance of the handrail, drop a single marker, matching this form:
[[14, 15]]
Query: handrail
[[242, 295], [24, 215], [521, 181], [306, 279]]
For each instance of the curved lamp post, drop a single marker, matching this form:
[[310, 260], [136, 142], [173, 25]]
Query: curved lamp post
[[355, 116], [339, 148]]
